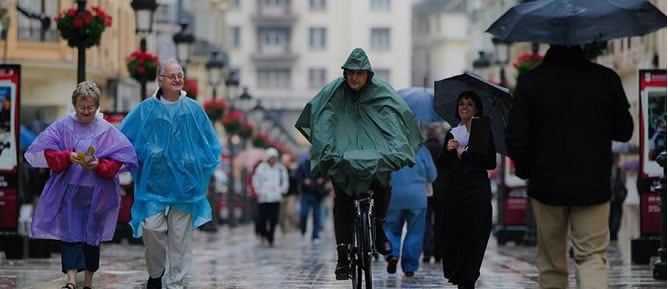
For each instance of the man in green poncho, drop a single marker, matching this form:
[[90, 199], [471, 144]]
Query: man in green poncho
[[360, 131]]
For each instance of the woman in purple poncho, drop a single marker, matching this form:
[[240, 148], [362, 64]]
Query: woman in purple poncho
[[80, 201]]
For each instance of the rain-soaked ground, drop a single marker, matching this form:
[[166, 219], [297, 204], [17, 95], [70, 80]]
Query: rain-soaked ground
[[232, 258]]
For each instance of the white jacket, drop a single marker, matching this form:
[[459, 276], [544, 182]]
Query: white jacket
[[270, 182]]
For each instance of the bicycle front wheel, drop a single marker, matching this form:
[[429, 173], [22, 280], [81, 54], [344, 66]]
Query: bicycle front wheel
[[366, 247]]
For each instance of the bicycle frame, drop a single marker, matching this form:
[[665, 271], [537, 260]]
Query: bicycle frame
[[362, 248]]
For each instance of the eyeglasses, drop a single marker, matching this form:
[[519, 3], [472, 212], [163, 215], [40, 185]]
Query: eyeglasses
[[86, 108], [173, 76]]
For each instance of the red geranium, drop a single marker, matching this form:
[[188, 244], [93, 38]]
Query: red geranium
[[215, 108], [143, 66], [246, 130], [232, 122], [526, 62], [84, 27], [191, 87]]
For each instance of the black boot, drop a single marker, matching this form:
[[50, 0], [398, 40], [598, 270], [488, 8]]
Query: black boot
[[383, 245], [155, 283], [342, 270]]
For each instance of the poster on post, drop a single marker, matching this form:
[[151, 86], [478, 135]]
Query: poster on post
[[653, 120], [10, 79]]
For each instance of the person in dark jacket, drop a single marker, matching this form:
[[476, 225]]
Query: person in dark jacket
[[434, 143], [565, 114], [313, 191], [467, 200]]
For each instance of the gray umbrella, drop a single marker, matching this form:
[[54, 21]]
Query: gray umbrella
[[573, 22], [495, 102]]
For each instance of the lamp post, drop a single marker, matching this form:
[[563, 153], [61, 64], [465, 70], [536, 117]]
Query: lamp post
[[481, 63], [81, 48], [502, 51], [214, 68], [144, 25], [241, 103], [183, 42]]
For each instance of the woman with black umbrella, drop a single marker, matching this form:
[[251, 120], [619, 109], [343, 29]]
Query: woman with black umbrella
[[467, 209]]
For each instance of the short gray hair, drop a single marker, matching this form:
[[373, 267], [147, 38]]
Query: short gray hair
[[86, 90], [165, 63]]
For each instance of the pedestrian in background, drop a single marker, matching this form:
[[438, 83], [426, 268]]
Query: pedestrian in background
[[178, 151], [618, 196], [288, 218], [467, 208], [80, 201], [408, 206], [566, 112], [432, 235], [270, 182], [313, 191]]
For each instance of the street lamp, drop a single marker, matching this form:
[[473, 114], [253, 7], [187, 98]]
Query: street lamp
[[502, 52], [81, 48], [214, 68], [481, 63], [144, 25], [184, 42]]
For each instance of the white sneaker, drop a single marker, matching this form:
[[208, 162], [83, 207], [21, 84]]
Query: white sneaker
[[316, 241]]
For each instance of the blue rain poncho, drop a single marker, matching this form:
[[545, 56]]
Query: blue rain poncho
[[178, 150], [76, 204]]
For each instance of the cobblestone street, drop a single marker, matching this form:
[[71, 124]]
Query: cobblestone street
[[232, 258]]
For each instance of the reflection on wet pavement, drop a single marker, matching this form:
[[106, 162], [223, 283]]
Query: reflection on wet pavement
[[232, 258]]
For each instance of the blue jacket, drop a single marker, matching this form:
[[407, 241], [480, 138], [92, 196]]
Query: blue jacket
[[409, 185]]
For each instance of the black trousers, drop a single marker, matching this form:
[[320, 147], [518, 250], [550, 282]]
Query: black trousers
[[344, 210], [267, 219]]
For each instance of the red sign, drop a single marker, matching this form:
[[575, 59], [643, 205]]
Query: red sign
[[10, 83], [650, 214]]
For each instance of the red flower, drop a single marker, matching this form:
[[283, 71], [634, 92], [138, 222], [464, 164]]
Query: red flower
[[142, 66], [83, 28], [215, 109]]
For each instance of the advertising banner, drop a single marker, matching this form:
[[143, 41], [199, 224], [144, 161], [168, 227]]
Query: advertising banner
[[10, 79]]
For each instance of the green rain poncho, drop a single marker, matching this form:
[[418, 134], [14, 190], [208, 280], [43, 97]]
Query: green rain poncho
[[359, 137]]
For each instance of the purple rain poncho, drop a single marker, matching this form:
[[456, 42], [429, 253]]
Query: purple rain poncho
[[76, 205], [178, 150]]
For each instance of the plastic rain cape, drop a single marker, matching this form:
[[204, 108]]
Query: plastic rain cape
[[359, 138], [178, 150], [76, 205]]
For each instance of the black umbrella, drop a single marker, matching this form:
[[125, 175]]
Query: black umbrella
[[573, 22], [495, 102]]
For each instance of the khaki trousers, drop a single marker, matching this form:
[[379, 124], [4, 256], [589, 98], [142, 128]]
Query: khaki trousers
[[168, 242], [587, 229]]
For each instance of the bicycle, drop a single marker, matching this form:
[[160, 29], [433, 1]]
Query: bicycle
[[361, 250]]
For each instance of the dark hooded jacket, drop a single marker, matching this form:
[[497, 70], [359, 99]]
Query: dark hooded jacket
[[565, 114], [359, 137]]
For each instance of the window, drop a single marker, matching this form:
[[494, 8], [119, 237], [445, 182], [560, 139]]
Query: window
[[235, 36], [274, 40], [30, 26], [380, 5], [236, 4], [274, 78], [317, 37], [316, 5], [380, 38], [317, 77], [383, 74]]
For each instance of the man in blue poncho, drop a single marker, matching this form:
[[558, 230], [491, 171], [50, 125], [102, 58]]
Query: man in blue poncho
[[360, 131], [177, 149]]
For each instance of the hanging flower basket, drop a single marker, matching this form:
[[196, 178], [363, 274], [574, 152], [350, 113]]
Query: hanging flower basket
[[83, 27], [261, 140], [191, 87], [526, 62], [246, 130], [232, 122], [143, 66], [215, 109]]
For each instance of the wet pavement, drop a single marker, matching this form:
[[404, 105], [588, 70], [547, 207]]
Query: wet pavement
[[232, 258]]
